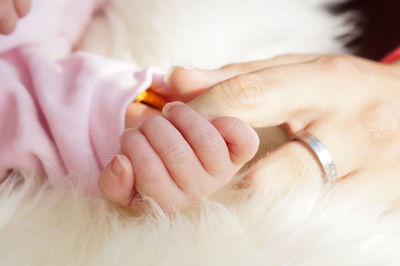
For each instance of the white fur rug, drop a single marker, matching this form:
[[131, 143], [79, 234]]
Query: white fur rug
[[307, 225], [206, 33], [44, 226]]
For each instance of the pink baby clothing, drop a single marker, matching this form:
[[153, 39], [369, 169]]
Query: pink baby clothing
[[62, 113]]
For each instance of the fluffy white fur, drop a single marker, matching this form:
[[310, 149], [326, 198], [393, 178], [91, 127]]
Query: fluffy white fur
[[40, 225], [205, 33]]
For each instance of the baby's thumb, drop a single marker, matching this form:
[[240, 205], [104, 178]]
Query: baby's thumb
[[117, 180]]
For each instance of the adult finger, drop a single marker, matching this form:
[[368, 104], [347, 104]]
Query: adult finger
[[189, 83], [296, 162], [272, 96]]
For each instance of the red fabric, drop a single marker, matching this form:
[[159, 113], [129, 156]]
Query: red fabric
[[392, 57]]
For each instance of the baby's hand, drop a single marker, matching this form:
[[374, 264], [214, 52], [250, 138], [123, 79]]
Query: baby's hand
[[10, 12], [177, 158]]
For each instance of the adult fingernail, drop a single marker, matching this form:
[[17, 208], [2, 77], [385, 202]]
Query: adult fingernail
[[170, 106], [116, 166]]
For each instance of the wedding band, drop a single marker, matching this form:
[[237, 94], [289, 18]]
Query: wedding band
[[322, 153]]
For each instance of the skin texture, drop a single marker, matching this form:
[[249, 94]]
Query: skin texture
[[177, 157], [351, 104], [10, 12]]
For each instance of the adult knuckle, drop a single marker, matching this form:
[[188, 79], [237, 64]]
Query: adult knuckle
[[342, 63], [234, 85], [381, 122], [244, 89], [333, 59]]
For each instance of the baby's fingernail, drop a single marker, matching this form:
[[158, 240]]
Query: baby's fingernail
[[116, 166], [170, 106]]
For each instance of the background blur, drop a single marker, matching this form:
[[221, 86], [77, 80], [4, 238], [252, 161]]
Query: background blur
[[380, 21]]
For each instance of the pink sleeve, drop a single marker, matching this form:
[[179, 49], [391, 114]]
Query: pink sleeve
[[64, 119]]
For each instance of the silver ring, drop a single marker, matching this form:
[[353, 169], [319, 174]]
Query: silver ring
[[322, 153]]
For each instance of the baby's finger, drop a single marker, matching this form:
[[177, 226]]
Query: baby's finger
[[116, 181], [241, 139], [178, 157], [22, 7], [202, 136], [151, 177], [273, 96], [8, 20]]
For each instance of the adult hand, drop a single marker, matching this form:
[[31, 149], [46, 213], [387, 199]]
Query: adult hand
[[352, 105], [10, 12]]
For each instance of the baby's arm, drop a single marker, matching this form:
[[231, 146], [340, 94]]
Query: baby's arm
[[177, 158]]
